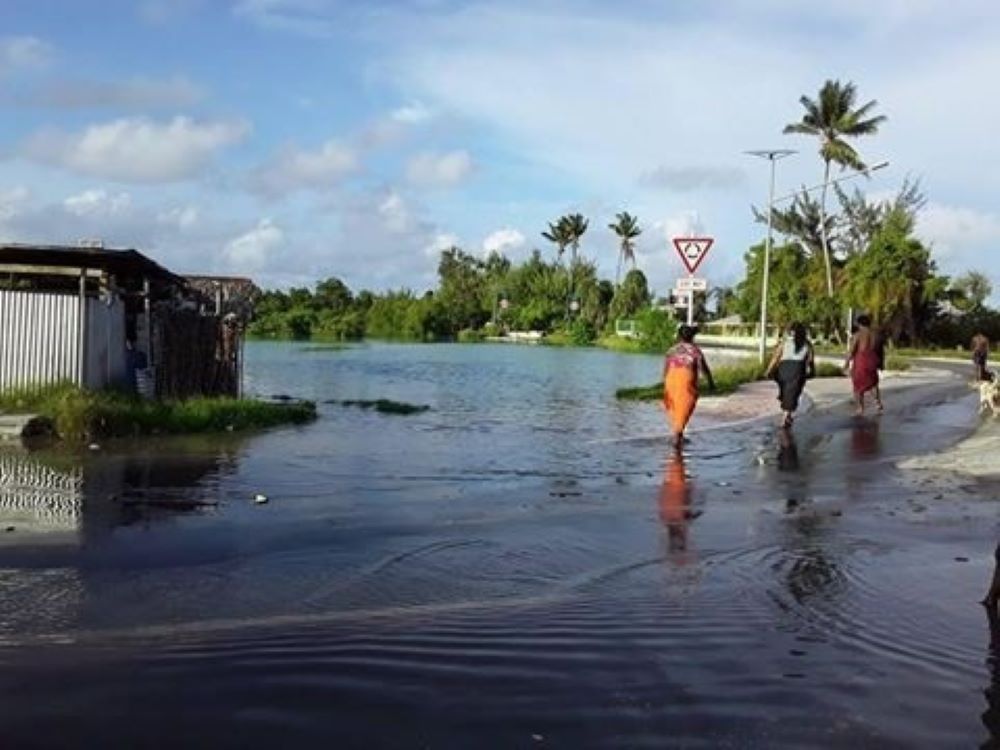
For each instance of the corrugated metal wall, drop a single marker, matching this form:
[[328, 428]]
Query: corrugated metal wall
[[39, 338]]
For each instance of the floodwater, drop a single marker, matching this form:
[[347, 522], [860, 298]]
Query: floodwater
[[524, 565]]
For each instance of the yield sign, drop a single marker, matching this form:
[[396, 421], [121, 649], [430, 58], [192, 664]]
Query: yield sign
[[693, 250]]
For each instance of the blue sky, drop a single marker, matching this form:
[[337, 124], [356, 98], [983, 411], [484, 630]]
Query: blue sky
[[291, 140]]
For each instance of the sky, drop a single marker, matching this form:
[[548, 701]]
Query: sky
[[294, 140]]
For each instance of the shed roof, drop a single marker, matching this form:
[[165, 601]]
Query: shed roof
[[120, 262]]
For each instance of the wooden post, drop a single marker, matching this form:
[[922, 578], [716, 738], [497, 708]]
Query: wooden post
[[148, 311], [81, 372]]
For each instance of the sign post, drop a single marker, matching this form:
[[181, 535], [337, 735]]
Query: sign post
[[692, 251]]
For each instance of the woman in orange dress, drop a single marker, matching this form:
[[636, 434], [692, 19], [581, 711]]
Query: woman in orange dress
[[683, 364]]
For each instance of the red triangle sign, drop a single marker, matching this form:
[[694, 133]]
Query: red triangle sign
[[693, 250]]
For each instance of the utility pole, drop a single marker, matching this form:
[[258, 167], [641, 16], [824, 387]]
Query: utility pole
[[772, 155]]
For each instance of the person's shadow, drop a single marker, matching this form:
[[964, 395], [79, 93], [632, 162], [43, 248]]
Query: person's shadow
[[675, 503]]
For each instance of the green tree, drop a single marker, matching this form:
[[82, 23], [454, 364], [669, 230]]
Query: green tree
[[627, 228], [972, 290], [462, 296], [895, 280], [558, 234], [833, 118], [633, 295], [576, 227], [790, 297], [333, 294]]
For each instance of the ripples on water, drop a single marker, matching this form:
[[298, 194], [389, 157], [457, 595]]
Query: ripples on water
[[523, 565]]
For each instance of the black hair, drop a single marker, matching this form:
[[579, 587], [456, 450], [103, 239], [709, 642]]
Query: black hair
[[799, 335], [864, 320], [686, 333]]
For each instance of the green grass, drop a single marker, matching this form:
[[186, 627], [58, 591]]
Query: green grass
[[728, 378], [897, 363], [383, 406], [325, 348], [80, 415], [621, 344]]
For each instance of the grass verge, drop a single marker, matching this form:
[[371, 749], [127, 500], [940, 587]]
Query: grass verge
[[728, 378], [383, 406], [80, 415]]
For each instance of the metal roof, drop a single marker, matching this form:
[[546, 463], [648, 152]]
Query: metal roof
[[120, 262]]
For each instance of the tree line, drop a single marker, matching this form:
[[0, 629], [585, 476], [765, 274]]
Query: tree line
[[474, 297], [864, 256]]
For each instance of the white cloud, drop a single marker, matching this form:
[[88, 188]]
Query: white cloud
[[413, 113], [24, 53], [504, 241], [296, 169], [687, 179], [396, 214], [254, 250], [134, 93], [439, 170], [120, 220], [12, 201], [306, 17], [962, 239], [136, 149], [98, 203], [183, 218], [440, 242]]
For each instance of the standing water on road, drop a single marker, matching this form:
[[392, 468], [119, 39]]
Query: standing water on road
[[524, 563]]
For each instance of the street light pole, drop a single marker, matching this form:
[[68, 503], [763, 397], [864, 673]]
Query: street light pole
[[772, 155]]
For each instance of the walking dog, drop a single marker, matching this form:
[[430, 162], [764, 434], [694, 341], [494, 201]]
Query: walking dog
[[989, 395]]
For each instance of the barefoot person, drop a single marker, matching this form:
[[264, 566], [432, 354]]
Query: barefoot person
[[683, 364], [864, 358], [792, 364], [980, 355]]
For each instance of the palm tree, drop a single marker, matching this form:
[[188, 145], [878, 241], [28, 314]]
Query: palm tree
[[627, 228], [576, 226], [558, 234], [833, 118]]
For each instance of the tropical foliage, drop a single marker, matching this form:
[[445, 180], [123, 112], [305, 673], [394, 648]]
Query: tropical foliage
[[833, 118], [628, 230]]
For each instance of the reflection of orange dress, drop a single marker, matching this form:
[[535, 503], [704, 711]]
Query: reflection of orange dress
[[674, 496], [680, 387], [675, 502]]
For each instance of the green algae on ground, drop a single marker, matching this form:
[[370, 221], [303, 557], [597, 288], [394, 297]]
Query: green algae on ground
[[382, 405], [80, 414]]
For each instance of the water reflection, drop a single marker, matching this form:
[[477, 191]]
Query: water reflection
[[675, 505], [865, 442], [788, 451], [79, 497]]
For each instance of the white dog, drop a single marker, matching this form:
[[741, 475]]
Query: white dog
[[989, 395]]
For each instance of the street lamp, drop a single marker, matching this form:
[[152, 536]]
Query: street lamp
[[772, 155]]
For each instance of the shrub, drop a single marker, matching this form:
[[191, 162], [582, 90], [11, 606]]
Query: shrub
[[581, 333], [657, 329], [471, 336]]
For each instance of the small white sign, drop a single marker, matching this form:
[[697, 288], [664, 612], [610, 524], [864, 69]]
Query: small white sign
[[691, 284], [682, 298]]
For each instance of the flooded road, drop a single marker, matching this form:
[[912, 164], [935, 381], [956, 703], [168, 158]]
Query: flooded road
[[525, 564]]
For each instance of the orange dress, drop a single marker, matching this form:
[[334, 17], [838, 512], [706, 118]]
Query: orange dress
[[680, 386]]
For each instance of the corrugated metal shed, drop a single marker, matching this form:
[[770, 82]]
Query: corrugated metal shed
[[39, 339]]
